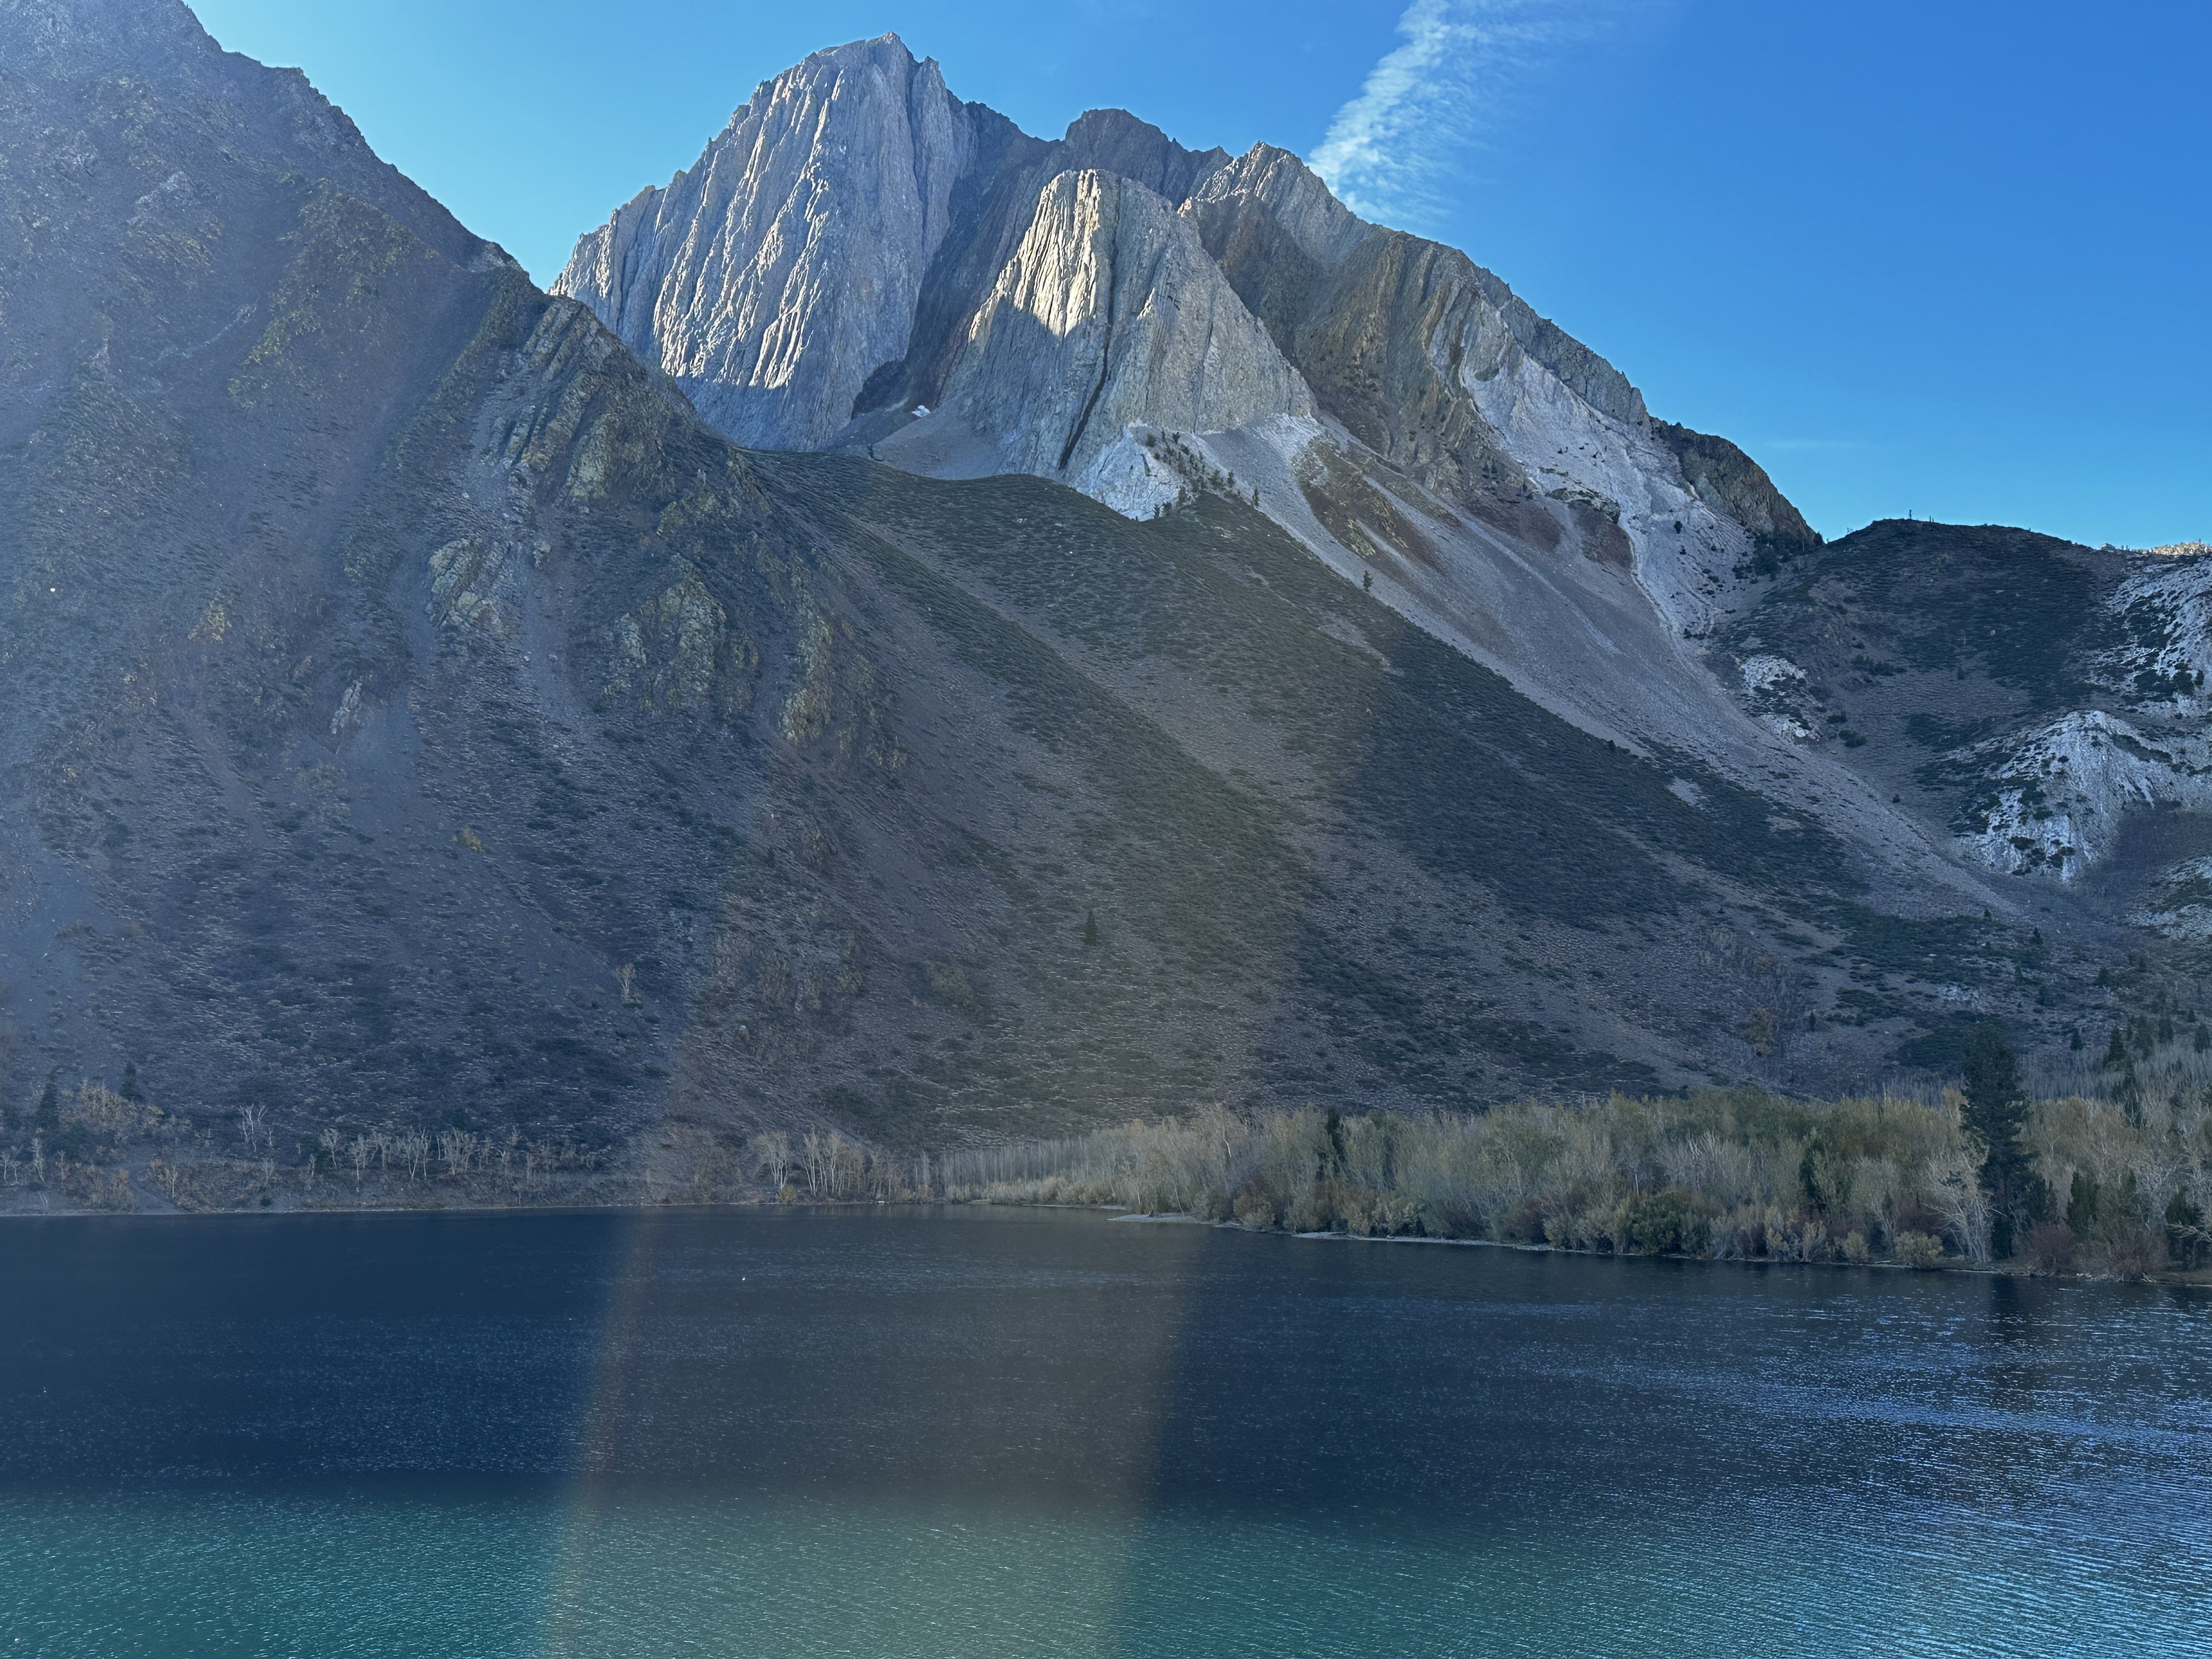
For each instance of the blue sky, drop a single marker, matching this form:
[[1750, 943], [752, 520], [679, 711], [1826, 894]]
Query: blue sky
[[1948, 256]]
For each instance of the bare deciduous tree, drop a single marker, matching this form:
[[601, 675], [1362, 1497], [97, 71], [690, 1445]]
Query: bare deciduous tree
[[459, 1149]]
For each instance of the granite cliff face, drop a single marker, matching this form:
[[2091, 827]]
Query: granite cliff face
[[1110, 315], [772, 278]]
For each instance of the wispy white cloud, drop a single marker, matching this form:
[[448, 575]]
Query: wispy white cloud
[[1393, 152]]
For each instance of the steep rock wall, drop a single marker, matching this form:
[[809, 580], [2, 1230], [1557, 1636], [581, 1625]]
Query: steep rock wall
[[1109, 313], [777, 274]]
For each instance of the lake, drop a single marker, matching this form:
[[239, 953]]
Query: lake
[[987, 1432]]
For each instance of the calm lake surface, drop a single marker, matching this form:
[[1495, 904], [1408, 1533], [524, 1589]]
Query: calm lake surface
[[1008, 1432]]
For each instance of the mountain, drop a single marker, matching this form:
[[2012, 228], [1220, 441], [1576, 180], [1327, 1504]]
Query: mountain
[[1144, 322], [424, 724], [862, 261], [329, 541], [1147, 324], [2044, 702]]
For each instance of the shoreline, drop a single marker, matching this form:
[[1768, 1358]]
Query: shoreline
[[2198, 1281], [2201, 1280]]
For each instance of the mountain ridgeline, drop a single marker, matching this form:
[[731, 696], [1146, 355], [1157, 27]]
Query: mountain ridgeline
[[592, 729]]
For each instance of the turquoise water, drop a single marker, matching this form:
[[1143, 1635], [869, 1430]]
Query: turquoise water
[[274, 1575], [1008, 1433]]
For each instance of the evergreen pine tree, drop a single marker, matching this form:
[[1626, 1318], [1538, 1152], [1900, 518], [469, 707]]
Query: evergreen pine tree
[[1091, 927], [48, 1118], [2082, 1205], [1996, 1111], [130, 1091]]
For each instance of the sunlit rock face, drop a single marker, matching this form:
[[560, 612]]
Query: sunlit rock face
[[772, 278], [1110, 313]]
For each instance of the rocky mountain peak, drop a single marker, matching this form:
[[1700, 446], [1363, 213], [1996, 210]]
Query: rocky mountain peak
[[1114, 141], [772, 278], [1322, 228], [862, 262]]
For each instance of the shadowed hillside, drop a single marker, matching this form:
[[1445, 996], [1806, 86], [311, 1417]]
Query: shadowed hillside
[[424, 732]]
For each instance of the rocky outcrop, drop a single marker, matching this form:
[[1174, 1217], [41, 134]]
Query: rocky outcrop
[[772, 278], [1437, 367], [2059, 797], [1109, 313], [1730, 481]]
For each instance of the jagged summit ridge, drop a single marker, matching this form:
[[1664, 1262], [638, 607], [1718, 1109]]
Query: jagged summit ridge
[[771, 278], [862, 262], [855, 245]]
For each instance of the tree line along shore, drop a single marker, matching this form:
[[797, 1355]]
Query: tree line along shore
[[2117, 1183], [2113, 1176]]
